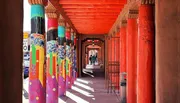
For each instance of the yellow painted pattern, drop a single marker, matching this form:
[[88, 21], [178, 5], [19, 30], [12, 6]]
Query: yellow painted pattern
[[41, 64], [56, 70], [63, 69]]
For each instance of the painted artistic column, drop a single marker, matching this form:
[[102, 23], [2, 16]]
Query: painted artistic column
[[73, 51], [68, 58], [131, 55], [37, 84], [145, 91], [61, 58], [75, 59], [51, 69]]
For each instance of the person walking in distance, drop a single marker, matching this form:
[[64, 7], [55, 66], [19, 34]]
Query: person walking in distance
[[90, 59]]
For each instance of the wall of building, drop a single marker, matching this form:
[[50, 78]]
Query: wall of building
[[167, 51], [11, 27]]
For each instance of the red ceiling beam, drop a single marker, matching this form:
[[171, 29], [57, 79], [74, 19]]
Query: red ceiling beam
[[88, 23], [92, 6], [94, 26], [91, 14], [92, 1], [61, 11], [79, 23], [87, 9], [91, 17], [95, 32], [91, 29], [85, 21], [93, 20], [93, 10], [97, 28], [104, 16]]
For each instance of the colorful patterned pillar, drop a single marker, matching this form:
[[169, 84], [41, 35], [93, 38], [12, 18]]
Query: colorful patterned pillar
[[75, 58], [37, 84], [61, 58], [68, 58], [145, 57], [51, 55], [131, 56], [72, 47]]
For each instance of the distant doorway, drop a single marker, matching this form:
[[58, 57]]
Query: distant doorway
[[93, 58]]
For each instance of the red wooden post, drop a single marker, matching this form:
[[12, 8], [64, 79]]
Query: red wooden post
[[123, 49], [131, 57], [145, 55], [123, 61]]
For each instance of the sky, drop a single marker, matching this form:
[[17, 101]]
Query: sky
[[27, 17]]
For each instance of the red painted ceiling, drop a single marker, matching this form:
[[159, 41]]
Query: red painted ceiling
[[92, 16]]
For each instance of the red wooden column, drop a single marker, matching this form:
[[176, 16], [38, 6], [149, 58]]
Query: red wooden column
[[131, 41], [123, 47], [123, 61], [145, 54]]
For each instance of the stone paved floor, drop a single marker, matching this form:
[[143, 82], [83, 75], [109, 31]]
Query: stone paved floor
[[87, 90]]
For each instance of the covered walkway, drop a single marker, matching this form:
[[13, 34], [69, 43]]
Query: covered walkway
[[134, 43]]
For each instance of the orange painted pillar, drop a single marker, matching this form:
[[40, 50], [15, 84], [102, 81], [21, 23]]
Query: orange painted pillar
[[110, 50], [145, 55], [131, 59], [113, 49], [122, 49], [123, 62]]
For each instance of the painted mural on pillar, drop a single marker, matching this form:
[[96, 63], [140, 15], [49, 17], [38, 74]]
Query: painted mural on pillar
[[73, 57], [61, 61], [36, 71], [51, 69], [68, 61], [68, 67], [74, 66]]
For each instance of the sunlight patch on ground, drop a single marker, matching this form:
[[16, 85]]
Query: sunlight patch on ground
[[88, 74], [75, 98], [84, 86], [84, 81], [82, 91], [61, 101]]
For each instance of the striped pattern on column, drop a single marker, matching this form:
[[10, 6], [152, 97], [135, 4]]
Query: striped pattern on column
[[75, 60], [72, 57], [61, 61], [68, 59], [51, 70], [36, 70]]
